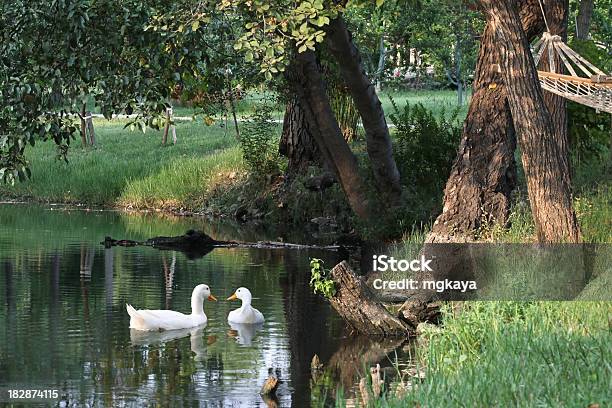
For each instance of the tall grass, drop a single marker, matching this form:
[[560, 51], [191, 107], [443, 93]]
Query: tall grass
[[512, 354], [101, 175], [435, 101], [183, 182]]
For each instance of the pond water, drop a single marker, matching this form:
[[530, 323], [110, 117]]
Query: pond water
[[63, 323]]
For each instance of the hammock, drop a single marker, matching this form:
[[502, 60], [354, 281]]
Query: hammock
[[594, 89]]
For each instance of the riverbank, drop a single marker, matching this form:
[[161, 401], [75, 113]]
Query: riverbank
[[516, 354], [204, 173]]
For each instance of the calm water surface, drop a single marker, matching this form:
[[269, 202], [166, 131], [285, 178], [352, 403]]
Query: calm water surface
[[63, 322]]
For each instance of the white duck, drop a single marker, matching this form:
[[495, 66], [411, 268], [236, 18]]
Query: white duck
[[245, 313], [149, 320]]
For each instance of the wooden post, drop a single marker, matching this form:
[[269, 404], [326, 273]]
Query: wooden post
[[168, 126], [233, 108], [83, 127], [90, 128], [269, 386], [230, 99]]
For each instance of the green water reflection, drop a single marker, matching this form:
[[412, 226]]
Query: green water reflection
[[63, 322]]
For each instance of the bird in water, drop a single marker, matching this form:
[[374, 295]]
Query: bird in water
[[149, 320], [245, 313]]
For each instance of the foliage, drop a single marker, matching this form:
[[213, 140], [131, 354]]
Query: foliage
[[319, 279], [600, 32], [273, 28], [121, 56], [589, 131], [441, 34], [259, 141], [425, 145]]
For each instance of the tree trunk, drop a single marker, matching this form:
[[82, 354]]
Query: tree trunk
[[310, 89], [483, 175], [583, 19], [297, 143], [370, 109], [546, 169], [556, 16], [357, 307]]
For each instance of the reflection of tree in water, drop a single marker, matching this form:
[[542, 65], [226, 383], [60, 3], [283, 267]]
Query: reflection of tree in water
[[169, 269], [85, 271], [307, 320]]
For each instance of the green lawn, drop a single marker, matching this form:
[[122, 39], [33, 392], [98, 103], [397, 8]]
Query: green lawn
[[129, 168], [124, 161]]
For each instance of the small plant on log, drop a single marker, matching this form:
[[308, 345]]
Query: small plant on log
[[319, 279]]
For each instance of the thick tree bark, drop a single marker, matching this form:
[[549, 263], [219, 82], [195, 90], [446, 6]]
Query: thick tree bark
[[354, 302], [297, 143], [368, 105], [556, 15], [484, 173], [546, 168], [583, 19], [310, 89]]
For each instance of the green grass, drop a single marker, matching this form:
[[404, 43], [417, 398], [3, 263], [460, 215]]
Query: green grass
[[510, 354], [128, 168], [183, 182], [436, 101], [124, 162]]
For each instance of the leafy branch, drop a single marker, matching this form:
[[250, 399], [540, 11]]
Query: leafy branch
[[319, 279]]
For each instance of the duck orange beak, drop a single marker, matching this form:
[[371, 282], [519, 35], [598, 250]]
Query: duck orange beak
[[233, 297], [211, 297]]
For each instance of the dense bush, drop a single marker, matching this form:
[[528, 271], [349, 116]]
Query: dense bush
[[259, 141], [425, 145], [589, 131]]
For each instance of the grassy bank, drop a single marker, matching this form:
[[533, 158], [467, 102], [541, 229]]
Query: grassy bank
[[508, 354], [131, 168]]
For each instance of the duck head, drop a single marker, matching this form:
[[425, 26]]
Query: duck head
[[243, 294], [198, 295], [202, 292]]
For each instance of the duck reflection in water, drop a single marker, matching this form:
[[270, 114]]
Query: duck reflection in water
[[244, 333], [199, 343]]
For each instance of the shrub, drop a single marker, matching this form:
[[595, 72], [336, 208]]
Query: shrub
[[589, 132], [425, 146], [258, 142]]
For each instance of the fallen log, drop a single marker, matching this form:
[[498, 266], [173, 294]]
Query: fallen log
[[196, 244], [360, 310]]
